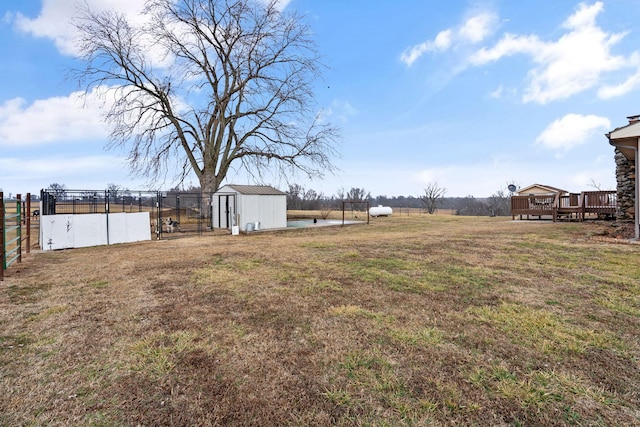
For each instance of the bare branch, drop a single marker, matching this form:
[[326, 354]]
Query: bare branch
[[595, 185]]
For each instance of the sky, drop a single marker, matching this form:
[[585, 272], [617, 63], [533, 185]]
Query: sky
[[468, 95]]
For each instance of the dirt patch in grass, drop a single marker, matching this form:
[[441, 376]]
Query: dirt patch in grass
[[408, 320]]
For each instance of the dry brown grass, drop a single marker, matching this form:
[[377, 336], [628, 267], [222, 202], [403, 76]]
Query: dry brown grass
[[411, 320]]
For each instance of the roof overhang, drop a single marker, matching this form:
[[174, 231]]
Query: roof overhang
[[626, 139], [547, 188], [628, 147]]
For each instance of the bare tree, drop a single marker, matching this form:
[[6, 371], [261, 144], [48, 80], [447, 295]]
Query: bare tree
[[499, 203], [216, 85], [432, 196], [58, 190], [312, 199], [116, 191], [358, 195], [294, 196]]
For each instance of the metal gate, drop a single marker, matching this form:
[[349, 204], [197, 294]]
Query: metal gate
[[171, 213], [183, 212], [11, 233]]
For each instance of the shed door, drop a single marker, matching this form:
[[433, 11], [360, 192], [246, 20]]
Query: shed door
[[226, 210]]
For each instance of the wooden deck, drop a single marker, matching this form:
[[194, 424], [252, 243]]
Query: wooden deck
[[570, 206], [539, 206]]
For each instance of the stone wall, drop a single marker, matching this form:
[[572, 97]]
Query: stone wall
[[625, 176]]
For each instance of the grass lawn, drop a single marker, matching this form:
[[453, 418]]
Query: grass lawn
[[411, 320]]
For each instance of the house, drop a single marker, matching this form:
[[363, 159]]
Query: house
[[625, 140], [539, 190], [249, 207]]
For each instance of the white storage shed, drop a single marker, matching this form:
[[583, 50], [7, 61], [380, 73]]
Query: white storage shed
[[250, 207]]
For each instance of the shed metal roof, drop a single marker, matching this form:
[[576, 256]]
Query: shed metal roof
[[256, 190]]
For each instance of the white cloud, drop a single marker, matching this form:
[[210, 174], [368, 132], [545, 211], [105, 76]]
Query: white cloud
[[477, 28], [442, 42], [341, 110], [474, 30], [344, 110], [7, 18], [570, 65], [631, 83], [52, 120], [497, 93], [54, 20], [503, 92], [282, 4], [572, 130], [612, 91], [585, 16], [510, 44]]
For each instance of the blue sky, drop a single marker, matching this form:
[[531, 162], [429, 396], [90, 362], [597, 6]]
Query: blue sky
[[470, 95]]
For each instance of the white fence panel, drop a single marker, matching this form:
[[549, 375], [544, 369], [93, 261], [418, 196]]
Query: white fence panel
[[77, 231], [89, 230], [137, 227], [56, 232]]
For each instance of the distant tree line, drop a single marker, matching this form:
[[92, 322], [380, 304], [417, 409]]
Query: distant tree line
[[498, 204]]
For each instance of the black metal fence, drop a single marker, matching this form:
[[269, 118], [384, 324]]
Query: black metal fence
[[170, 212]]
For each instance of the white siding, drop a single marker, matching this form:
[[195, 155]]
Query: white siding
[[269, 210]]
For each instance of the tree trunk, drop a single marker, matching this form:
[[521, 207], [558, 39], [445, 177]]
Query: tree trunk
[[208, 183]]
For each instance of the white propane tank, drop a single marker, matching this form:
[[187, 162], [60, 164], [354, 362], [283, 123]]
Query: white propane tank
[[380, 211]]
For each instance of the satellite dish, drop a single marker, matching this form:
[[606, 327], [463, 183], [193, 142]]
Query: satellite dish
[[512, 188]]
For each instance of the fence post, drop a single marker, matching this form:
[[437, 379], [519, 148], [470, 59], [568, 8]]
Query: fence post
[[158, 218], [178, 208], [27, 215], [200, 213], [2, 254], [107, 194], [19, 224]]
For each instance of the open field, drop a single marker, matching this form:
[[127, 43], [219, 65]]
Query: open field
[[411, 320], [360, 213]]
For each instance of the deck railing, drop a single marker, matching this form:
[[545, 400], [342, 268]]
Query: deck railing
[[571, 205], [536, 205], [600, 202]]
